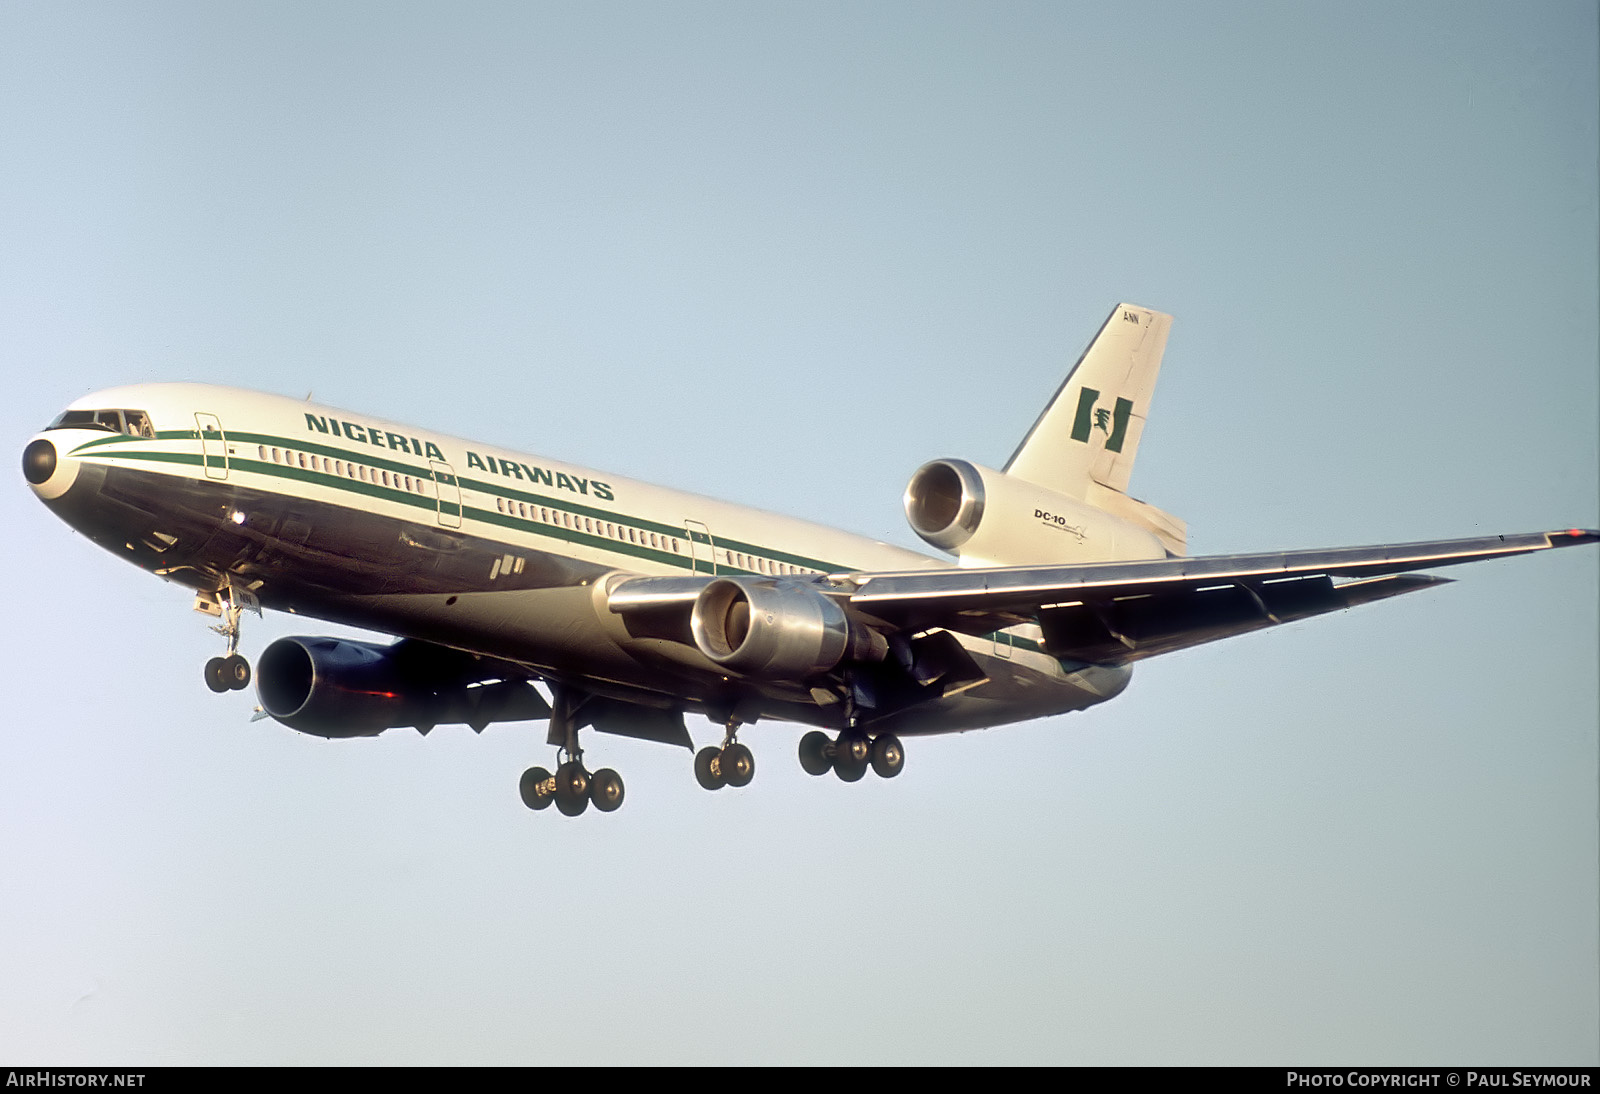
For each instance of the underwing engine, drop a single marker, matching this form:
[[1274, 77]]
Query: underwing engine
[[778, 630], [335, 687]]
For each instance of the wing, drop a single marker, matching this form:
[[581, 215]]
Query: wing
[[1113, 613]]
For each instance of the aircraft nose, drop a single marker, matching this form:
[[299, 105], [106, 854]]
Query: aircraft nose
[[48, 470], [39, 461]]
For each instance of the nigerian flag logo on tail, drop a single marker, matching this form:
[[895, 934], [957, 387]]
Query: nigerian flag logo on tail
[[1113, 423]]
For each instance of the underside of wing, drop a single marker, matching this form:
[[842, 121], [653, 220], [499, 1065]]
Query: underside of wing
[[1121, 612]]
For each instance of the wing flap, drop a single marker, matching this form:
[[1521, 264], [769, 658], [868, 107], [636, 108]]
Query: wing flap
[[1132, 628]]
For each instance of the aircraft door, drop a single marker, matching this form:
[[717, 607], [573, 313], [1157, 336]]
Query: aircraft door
[[213, 445], [702, 548], [1002, 645], [448, 491]]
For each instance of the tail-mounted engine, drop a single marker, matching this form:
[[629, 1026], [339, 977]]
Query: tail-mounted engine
[[778, 630], [988, 518], [333, 687]]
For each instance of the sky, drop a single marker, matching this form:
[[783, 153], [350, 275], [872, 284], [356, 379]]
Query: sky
[[783, 254]]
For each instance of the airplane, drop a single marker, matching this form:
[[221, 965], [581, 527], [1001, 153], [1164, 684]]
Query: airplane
[[633, 605]]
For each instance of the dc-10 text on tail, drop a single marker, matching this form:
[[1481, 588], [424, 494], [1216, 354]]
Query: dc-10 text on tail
[[636, 605]]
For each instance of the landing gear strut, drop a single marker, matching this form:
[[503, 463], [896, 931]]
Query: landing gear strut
[[232, 672], [851, 753], [572, 787], [731, 765]]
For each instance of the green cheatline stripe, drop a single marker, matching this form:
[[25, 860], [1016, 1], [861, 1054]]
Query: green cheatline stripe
[[550, 531], [491, 487]]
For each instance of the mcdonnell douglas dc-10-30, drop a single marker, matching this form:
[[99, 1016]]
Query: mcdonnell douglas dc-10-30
[[635, 605]]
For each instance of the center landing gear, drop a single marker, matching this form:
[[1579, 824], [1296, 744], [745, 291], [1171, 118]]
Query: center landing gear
[[731, 765], [849, 755], [572, 787], [232, 672]]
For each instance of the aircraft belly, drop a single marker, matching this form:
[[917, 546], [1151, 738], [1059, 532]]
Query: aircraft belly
[[1017, 690]]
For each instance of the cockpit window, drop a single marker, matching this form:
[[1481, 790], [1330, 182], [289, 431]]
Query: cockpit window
[[135, 423]]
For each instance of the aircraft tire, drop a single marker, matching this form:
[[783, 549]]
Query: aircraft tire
[[535, 788], [888, 756], [848, 770], [606, 790], [572, 789], [814, 753], [852, 753], [703, 772], [217, 675], [738, 765], [236, 672]]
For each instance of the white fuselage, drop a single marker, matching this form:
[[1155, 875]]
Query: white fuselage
[[346, 517]]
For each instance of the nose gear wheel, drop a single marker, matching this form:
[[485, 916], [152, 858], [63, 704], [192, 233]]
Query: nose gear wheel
[[230, 672]]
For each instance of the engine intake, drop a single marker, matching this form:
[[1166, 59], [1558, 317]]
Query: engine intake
[[778, 629], [944, 502]]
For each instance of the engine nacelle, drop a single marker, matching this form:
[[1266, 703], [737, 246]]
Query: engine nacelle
[[334, 687], [988, 518], [777, 630]]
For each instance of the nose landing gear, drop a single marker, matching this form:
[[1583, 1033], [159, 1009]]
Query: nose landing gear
[[231, 672]]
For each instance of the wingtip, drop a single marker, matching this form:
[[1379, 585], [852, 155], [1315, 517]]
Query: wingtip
[[1570, 537]]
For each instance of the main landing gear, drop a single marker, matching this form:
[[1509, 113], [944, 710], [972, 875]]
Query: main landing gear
[[731, 765], [851, 753], [572, 787], [232, 672]]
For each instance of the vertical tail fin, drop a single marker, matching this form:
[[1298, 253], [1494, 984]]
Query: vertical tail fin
[[1089, 434]]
